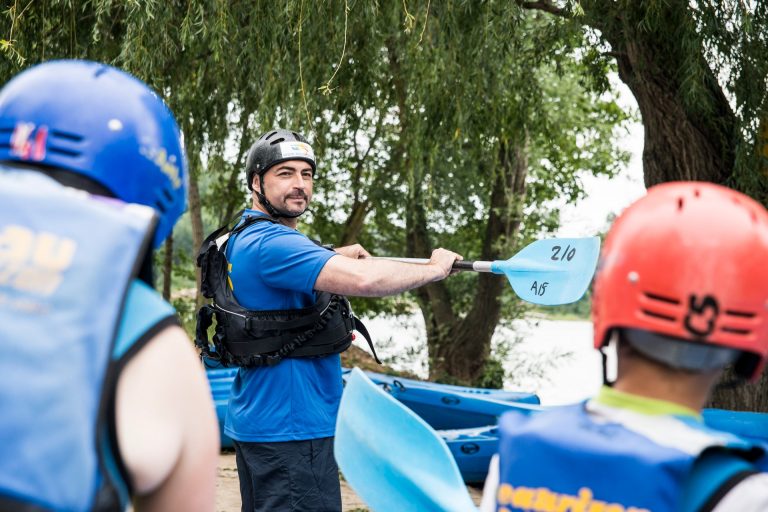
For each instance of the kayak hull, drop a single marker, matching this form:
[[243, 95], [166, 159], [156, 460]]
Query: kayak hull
[[442, 406], [466, 420]]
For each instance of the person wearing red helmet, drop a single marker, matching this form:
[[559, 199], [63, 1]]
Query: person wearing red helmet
[[681, 292]]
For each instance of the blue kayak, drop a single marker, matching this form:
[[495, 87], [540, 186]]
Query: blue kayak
[[395, 461], [496, 394], [750, 425], [220, 380], [442, 406], [472, 449], [465, 418]]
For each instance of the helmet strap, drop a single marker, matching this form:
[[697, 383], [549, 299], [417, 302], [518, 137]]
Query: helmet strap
[[604, 360], [610, 360]]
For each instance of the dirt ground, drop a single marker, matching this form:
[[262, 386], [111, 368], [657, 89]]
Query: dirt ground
[[228, 489]]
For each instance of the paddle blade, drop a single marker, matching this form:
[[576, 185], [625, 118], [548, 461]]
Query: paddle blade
[[552, 271], [391, 457]]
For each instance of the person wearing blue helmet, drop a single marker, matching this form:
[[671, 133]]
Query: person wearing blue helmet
[[103, 399], [283, 317]]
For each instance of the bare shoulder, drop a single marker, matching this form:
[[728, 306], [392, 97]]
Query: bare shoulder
[[166, 425]]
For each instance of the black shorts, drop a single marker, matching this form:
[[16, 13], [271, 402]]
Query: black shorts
[[291, 475]]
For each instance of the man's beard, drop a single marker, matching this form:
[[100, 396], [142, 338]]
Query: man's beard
[[286, 206]]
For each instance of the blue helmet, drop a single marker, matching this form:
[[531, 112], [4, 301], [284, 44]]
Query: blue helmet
[[102, 123]]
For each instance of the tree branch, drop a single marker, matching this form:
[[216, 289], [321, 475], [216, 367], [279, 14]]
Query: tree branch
[[544, 5]]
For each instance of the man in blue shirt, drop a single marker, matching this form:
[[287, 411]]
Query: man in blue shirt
[[282, 417]]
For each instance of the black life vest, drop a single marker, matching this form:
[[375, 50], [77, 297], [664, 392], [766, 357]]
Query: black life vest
[[264, 338]]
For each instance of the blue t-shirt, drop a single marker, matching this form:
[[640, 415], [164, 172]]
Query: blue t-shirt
[[275, 267]]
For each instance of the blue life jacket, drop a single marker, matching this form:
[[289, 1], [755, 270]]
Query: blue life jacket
[[67, 267], [568, 459]]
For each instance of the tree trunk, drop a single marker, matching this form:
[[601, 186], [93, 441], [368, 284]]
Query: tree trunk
[[168, 268], [233, 196], [761, 148], [362, 207], [683, 140], [746, 397], [196, 217], [434, 299], [459, 350], [355, 222]]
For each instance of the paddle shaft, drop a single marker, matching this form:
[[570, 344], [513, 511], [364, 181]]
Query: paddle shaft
[[474, 266]]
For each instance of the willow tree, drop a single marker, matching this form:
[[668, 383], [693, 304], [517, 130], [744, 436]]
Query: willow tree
[[435, 125], [174, 48], [207, 59], [699, 72], [450, 129]]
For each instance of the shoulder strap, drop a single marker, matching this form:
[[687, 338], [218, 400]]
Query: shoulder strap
[[212, 253], [360, 327], [227, 230], [713, 476], [249, 221]]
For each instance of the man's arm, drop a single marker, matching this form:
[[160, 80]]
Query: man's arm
[[366, 277], [166, 426]]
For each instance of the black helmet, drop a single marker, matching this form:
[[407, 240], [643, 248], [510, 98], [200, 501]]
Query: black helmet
[[274, 147]]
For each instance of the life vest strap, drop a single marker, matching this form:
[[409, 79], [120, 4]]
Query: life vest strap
[[263, 338]]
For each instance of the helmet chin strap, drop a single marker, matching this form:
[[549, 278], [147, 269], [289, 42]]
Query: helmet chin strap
[[274, 212], [609, 356]]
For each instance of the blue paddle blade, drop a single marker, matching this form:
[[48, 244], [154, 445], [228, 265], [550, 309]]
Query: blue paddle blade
[[552, 271], [391, 457]]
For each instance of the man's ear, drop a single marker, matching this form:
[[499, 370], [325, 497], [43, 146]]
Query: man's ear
[[256, 183]]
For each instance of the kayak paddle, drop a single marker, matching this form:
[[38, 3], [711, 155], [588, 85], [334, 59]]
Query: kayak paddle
[[391, 457], [547, 272]]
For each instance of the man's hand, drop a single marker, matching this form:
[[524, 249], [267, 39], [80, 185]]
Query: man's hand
[[353, 251], [443, 259]]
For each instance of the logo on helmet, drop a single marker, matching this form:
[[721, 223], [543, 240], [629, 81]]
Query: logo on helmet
[[27, 147], [166, 164], [702, 315], [296, 149]]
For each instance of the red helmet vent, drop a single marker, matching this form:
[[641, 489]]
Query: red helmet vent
[[660, 307]]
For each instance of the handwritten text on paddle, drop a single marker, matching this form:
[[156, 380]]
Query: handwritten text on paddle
[[539, 289], [567, 254]]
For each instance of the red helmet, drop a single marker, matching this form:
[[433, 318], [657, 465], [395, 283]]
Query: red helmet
[[688, 261]]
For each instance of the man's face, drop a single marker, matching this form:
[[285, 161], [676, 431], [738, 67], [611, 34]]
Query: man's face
[[288, 185]]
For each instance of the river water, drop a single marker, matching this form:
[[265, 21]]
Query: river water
[[553, 358]]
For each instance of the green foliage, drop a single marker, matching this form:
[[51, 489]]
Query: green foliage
[[493, 374], [714, 51], [411, 107], [187, 312]]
